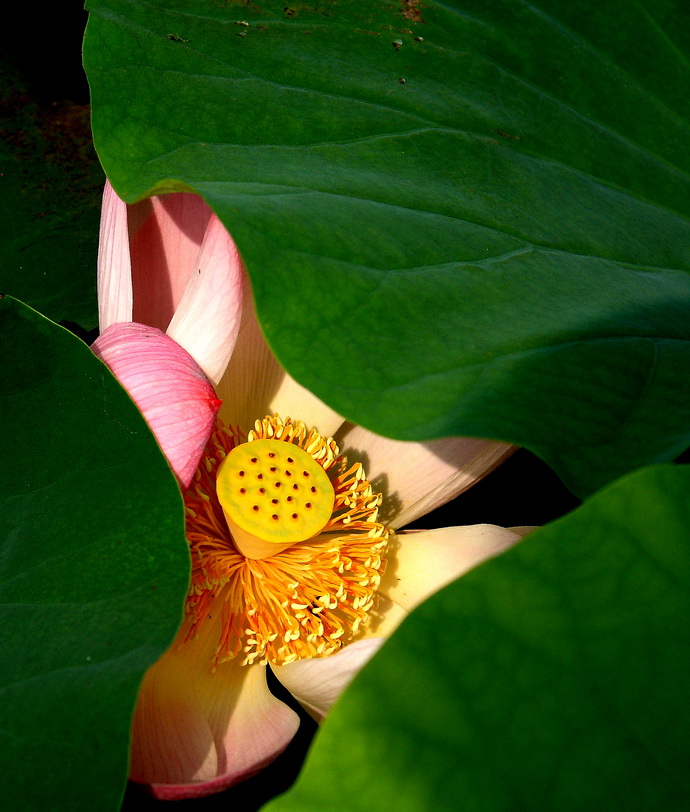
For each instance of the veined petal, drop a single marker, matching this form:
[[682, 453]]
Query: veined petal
[[114, 264], [165, 233], [420, 562], [255, 384], [171, 391], [197, 730], [207, 318], [416, 478], [317, 683]]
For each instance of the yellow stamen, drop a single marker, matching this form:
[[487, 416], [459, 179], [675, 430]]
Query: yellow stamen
[[313, 586]]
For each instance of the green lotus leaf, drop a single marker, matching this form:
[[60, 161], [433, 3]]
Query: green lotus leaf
[[459, 218], [93, 567], [555, 677]]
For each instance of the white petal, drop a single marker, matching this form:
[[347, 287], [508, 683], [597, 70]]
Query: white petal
[[293, 400], [114, 264], [416, 478], [317, 683]]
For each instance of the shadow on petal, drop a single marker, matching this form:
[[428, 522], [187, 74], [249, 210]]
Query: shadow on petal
[[165, 234], [169, 388], [317, 683], [416, 478], [197, 729]]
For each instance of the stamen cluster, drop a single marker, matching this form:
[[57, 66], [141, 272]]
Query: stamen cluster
[[305, 601]]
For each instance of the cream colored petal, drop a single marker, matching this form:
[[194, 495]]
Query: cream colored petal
[[256, 385], [207, 319], [253, 375], [172, 741], [295, 401], [416, 478], [114, 265], [421, 562], [317, 683], [197, 730], [383, 620]]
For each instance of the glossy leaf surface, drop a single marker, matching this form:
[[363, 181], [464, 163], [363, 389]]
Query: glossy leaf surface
[[93, 567], [459, 218], [555, 677]]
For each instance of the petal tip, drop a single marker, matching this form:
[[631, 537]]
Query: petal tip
[[201, 789]]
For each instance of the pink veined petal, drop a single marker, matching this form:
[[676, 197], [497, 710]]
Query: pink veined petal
[[317, 683], [416, 478], [207, 319], [198, 730], [165, 234], [114, 265], [255, 384], [167, 385]]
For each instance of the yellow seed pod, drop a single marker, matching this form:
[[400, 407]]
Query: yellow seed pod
[[275, 491]]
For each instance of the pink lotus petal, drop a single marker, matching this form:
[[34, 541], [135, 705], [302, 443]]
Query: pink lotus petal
[[167, 385], [416, 478], [317, 683], [169, 262], [198, 730], [114, 264], [165, 234], [207, 318]]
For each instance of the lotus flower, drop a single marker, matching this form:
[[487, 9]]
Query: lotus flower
[[298, 564]]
